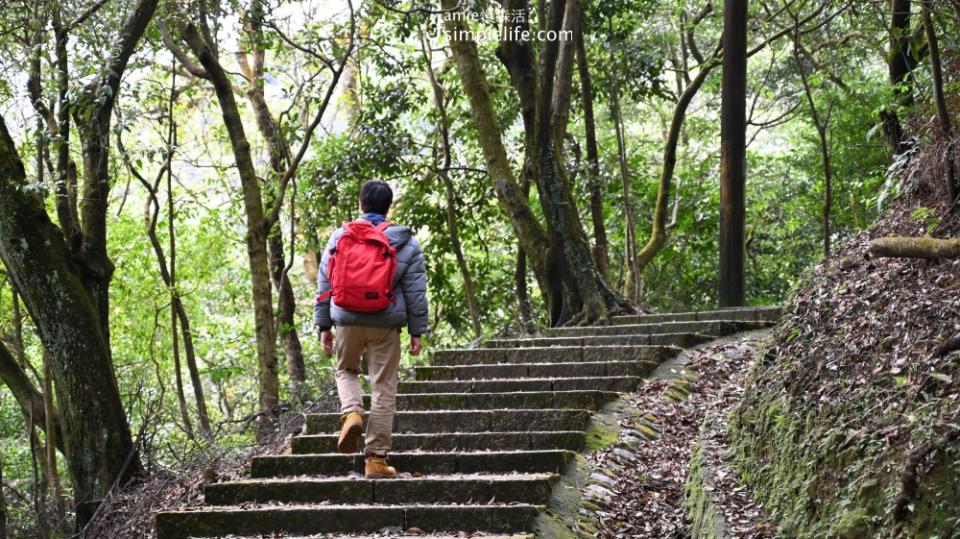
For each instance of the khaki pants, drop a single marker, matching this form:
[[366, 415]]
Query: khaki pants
[[381, 347]]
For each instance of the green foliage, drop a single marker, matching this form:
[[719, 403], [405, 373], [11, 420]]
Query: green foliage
[[385, 126]]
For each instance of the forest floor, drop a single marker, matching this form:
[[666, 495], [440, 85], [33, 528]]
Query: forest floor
[[646, 495]]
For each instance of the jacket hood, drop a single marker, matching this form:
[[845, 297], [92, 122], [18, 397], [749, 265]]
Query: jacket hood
[[398, 235]]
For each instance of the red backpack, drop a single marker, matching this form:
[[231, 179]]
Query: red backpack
[[362, 268]]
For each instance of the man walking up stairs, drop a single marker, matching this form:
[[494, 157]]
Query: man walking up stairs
[[483, 435], [371, 283]]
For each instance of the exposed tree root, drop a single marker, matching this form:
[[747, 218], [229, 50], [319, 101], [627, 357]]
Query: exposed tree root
[[906, 247], [950, 345], [910, 476]]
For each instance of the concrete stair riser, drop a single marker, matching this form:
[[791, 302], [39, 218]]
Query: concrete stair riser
[[536, 370], [333, 464], [557, 354], [762, 314], [709, 327], [460, 441], [599, 383], [333, 519], [533, 489], [681, 340], [584, 399], [468, 421]]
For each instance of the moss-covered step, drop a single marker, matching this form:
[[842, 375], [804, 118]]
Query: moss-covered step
[[708, 327], [535, 370], [584, 399], [313, 519], [553, 354], [622, 384], [511, 488], [454, 441], [327, 464], [467, 421], [762, 314], [681, 340]]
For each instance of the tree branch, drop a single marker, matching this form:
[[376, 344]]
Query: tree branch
[[26, 394]]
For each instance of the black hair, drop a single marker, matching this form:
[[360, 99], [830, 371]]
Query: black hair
[[376, 196]]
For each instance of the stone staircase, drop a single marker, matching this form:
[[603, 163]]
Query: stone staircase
[[482, 436]]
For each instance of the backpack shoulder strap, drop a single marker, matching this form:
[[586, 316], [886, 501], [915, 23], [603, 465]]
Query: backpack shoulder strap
[[382, 227]]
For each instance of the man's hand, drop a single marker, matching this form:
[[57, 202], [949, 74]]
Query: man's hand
[[326, 339], [416, 345]]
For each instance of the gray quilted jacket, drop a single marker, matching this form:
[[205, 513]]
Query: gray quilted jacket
[[410, 285]]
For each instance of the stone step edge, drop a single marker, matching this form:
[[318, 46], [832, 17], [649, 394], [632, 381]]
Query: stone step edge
[[571, 440], [476, 434], [546, 337], [170, 525], [603, 331], [522, 379], [702, 316], [416, 452], [537, 365], [322, 415], [560, 392], [505, 477], [471, 489]]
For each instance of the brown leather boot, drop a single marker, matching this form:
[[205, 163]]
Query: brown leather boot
[[350, 433], [377, 468]]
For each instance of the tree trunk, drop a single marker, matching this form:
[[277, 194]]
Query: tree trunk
[[268, 380], [585, 295], [563, 82], [733, 162], [97, 439], [280, 161], [560, 257], [821, 123], [443, 127], [631, 277], [172, 278], [901, 61], [600, 247], [943, 114], [900, 66], [658, 234], [529, 232], [54, 434]]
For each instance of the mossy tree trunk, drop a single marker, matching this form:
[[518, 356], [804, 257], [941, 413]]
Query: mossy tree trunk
[[560, 256], [931, 248], [256, 235], [63, 273], [252, 64], [96, 436], [600, 247], [529, 231]]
